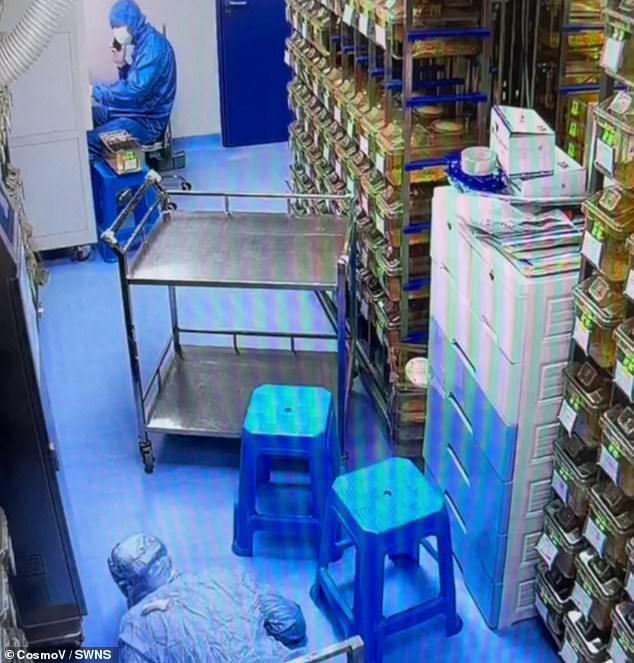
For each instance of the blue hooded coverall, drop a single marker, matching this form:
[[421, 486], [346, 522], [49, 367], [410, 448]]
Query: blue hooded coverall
[[141, 101]]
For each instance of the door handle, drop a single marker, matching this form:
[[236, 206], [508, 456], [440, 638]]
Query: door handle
[[236, 3]]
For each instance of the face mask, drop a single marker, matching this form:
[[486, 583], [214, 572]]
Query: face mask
[[123, 36]]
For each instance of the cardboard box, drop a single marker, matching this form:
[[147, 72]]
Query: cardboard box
[[569, 179], [523, 141]]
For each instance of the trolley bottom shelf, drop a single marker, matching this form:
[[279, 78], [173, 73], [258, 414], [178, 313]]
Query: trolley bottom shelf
[[206, 390]]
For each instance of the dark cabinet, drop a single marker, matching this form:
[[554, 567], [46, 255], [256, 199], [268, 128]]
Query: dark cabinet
[[46, 587]]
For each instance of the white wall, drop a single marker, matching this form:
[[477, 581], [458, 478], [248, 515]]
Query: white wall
[[191, 26]]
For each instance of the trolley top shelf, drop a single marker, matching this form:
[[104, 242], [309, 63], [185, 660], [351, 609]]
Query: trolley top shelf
[[241, 250]]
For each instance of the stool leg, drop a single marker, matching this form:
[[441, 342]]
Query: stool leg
[[453, 623], [334, 445], [328, 545], [368, 599], [245, 507], [321, 480], [264, 470]]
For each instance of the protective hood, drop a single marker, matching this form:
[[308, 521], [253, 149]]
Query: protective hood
[[126, 13], [140, 565]]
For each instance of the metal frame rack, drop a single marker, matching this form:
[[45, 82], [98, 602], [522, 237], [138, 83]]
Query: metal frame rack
[[572, 28], [397, 65], [588, 604], [205, 390]]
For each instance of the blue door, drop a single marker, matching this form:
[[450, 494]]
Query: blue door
[[253, 75]]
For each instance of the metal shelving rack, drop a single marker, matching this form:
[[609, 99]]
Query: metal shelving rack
[[383, 56], [568, 645], [555, 65]]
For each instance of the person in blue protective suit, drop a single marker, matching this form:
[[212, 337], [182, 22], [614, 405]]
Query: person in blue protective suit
[[141, 101], [220, 615]]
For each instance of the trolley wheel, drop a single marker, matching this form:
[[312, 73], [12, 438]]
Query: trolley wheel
[[82, 253], [186, 186], [172, 207], [147, 455]]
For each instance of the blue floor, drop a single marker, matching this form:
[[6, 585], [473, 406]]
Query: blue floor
[[188, 502]]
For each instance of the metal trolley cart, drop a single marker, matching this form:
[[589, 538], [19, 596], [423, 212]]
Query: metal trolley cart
[[205, 391]]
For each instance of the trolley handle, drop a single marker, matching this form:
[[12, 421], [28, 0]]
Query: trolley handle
[[288, 197], [109, 237], [353, 649]]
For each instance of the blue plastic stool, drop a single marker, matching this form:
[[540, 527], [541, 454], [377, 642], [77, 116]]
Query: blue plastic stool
[[109, 195], [290, 423], [385, 510]]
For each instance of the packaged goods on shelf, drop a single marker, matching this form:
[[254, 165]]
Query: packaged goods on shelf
[[617, 451], [578, 128], [609, 222], [568, 179], [587, 397], [408, 408], [629, 286], [597, 589], [624, 373], [621, 647], [552, 598], [614, 151], [523, 141], [583, 640], [575, 473], [562, 539], [439, 139], [610, 523], [600, 308], [617, 57], [629, 577]]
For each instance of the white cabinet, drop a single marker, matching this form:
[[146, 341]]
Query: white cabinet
[[50, 118]]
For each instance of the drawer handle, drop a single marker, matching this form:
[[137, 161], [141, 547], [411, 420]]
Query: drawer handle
[[452, 505], [458, 464], [461, 413], [470, 365]]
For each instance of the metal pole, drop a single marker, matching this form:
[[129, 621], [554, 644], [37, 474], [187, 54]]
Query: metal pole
[[145, 445], [535, 49], [174, 319], [388, 66], [485, 82], [501, 54], [342, 354], [408, 85], [354, 304], [563, 58]]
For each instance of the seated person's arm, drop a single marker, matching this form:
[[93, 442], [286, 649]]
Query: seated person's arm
[[133, 90], [119, 59]]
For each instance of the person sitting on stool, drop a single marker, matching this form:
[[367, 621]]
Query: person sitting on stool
[[141, 101]]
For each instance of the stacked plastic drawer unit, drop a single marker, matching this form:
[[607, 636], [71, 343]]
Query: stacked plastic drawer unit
[[10, 636], [499, 342]]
